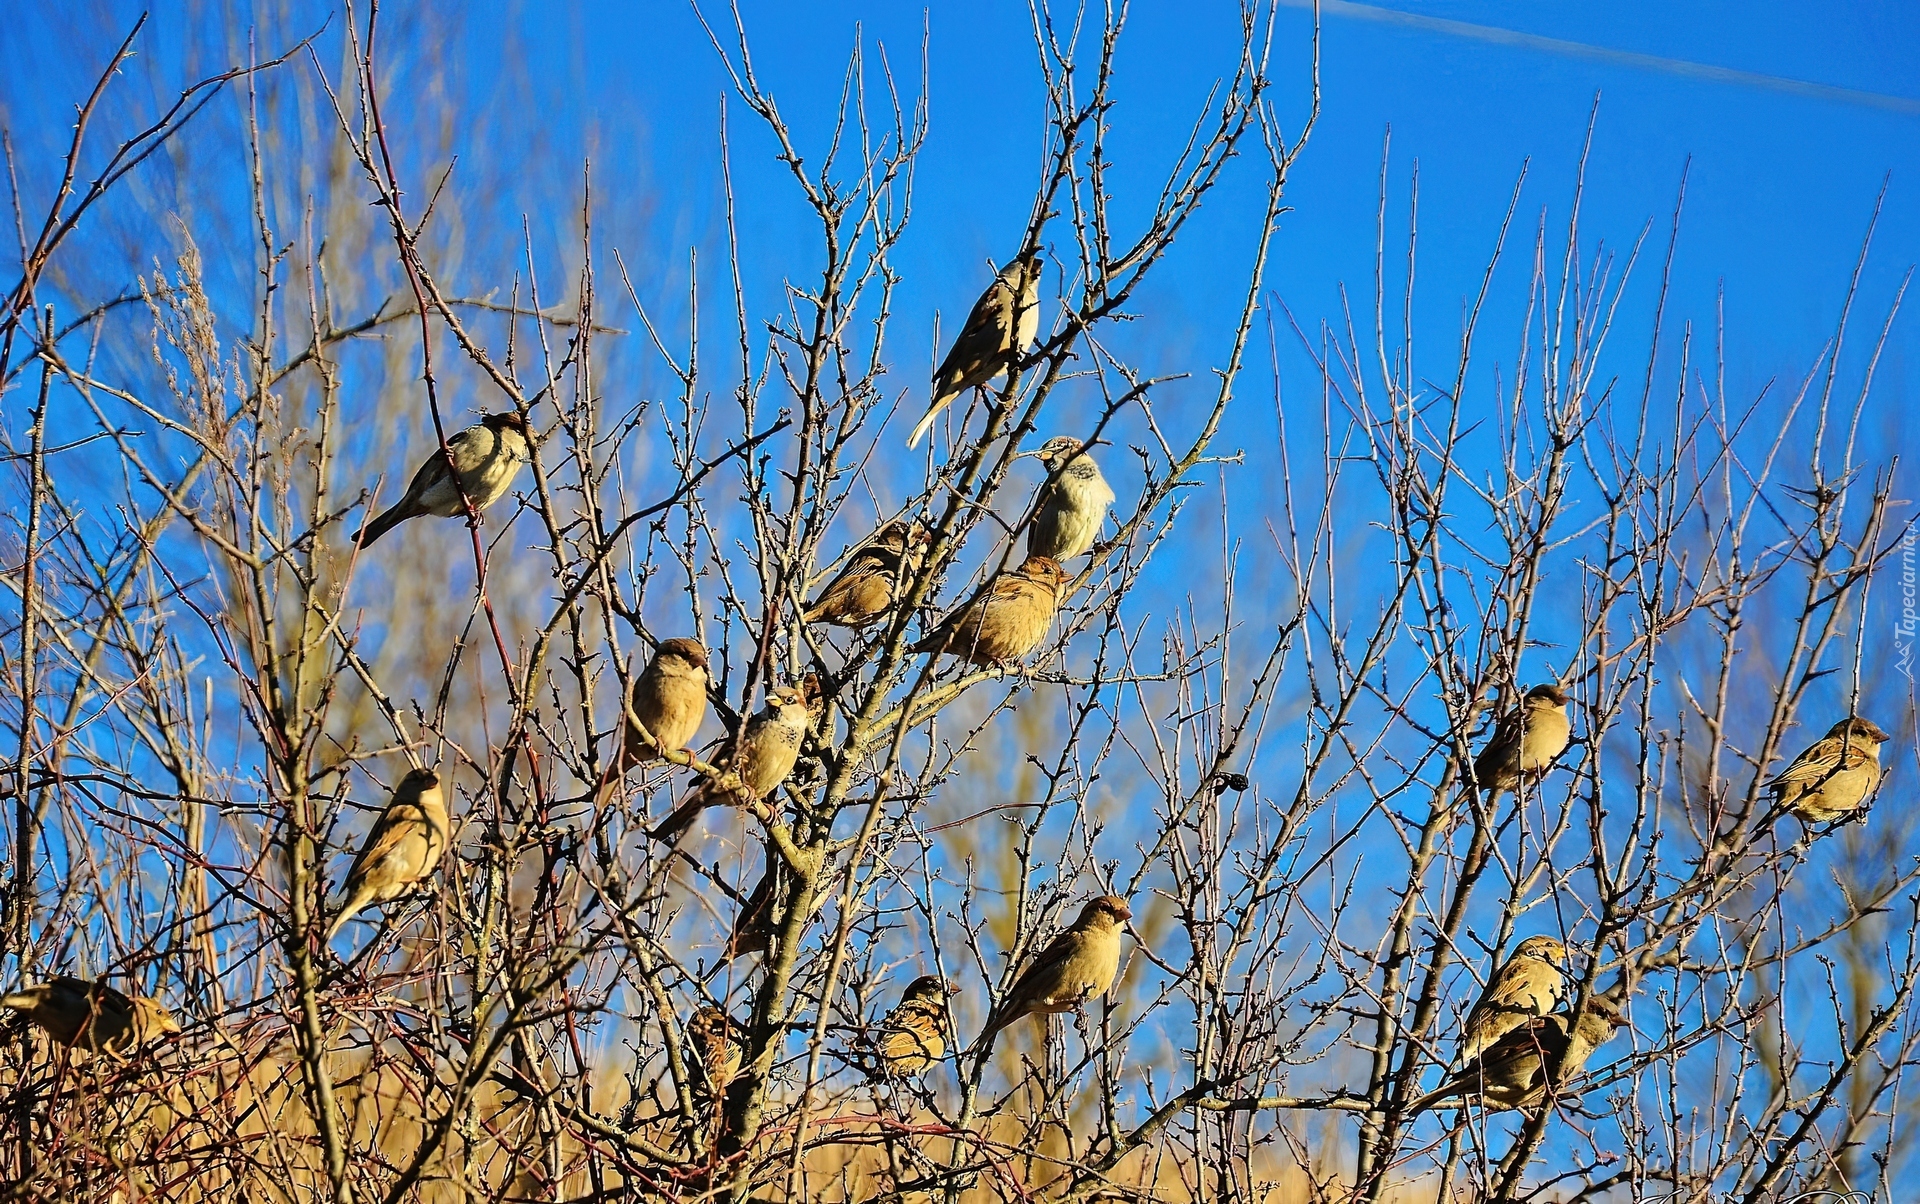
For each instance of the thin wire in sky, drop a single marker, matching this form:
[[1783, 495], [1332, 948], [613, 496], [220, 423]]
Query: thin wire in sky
[[1606, 54]]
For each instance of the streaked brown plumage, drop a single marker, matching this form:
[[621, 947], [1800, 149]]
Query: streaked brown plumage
[[714, 1050], [669, 698], [1525, 742], [1512, 1073], [875, 579], [914, 1036], [403, 847], [766, 755], [488, 456], [1834, 777], [1072, 505], [1529, 984], [92, 1015], [1006, 622], [1002, 325], [1078, 965]]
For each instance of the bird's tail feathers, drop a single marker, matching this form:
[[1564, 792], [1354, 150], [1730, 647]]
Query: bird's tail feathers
[[940, 403], [386, 521]]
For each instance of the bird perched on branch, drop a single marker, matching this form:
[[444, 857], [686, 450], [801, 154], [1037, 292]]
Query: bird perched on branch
[[1834, 777], [487, 455], [1072, 504], [765, 756], [403, 847], [1513, 1071], [914, 1035], [1002, 625], [92, 1015], [714, 1040], [1525, 742], [1078, 965], [876, 579], [669, 700], [1528, 985], [1002, 325]]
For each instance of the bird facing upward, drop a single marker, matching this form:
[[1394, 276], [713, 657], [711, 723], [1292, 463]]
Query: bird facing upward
[[1529, 984], [914, 1036], [403, 847], [1834, 777], [488, 456], [1002, 325], [1009, 620], [1078, 965], [875, 579], [1525, 742], [1072, 504], [92, 1015], [765, 756]]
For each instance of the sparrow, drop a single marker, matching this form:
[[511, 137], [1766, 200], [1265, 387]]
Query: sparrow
[[764, 758], [403, 847], [1832, 779], [914, 1035], [1512, 1072], [1072, 504], [876, 578], [1078, 965], [1529, 984], [487, 455], [1006, 622], [669, 698], [1002, 325], [714, 1041], [753, 927], [1525, 742], [92, 1015]]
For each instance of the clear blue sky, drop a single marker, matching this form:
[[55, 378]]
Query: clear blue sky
[[1781, 184]]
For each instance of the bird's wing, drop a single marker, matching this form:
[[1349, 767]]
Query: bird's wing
[[985, 331], [400, 823], [1502, 748], [1817, 763]]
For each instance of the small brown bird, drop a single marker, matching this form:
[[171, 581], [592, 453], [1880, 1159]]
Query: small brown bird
[[713, 1039], [914, 1036], [1512, 1073], [753, 927], [403, 847], [1833, 778], [1072, 504], [1006, 622], [1078, 965], [1002, 325], [669, 698], [1529, 984], [1525, 742], [92, 1015], [487, 456], [766, 754], [876, 578]]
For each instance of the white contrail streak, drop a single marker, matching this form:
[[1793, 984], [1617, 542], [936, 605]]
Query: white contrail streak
[[1605, 54]]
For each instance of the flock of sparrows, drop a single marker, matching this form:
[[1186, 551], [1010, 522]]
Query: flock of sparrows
[[1513, 1038]]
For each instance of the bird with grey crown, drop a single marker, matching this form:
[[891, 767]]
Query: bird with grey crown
[[1072, 504]]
